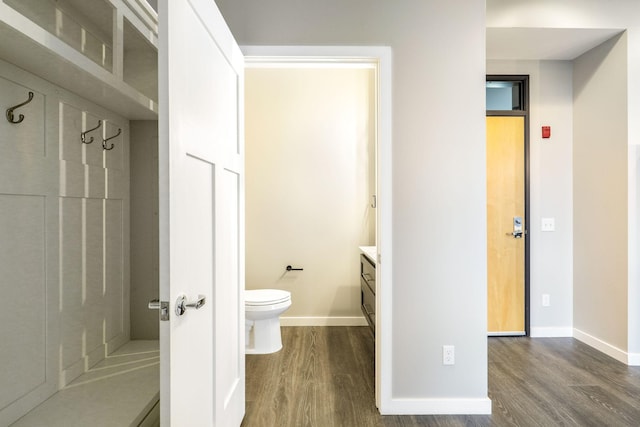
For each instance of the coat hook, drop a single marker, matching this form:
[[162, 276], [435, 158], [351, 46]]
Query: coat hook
[[10, 116], [84, 134], [104, 141]]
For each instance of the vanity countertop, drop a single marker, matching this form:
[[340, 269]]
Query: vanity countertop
[[370, 252]]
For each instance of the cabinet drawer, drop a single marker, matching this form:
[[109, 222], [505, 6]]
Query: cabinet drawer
[[368, 301], [368, 272]]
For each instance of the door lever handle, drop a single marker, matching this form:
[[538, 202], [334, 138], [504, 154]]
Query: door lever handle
[[197, 303], [163, 306], [517, 234], [182, 304], [518, 227]]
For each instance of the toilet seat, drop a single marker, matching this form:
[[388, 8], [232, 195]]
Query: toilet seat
[[262, 297]]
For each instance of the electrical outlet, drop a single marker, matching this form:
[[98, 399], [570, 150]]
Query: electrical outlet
[[448, 355], [546, 300]]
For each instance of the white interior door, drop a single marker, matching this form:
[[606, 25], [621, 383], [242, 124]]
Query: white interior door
[[202, 216]]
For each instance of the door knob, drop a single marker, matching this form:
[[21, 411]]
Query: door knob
[[182, 304]]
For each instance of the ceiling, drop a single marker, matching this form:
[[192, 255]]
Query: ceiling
[[544, 43]]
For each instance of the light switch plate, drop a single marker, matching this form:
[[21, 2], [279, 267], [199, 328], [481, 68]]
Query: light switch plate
[[548, 224], [546, 300]]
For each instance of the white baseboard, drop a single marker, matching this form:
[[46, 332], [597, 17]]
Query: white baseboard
[[634, 359], [323, 321], [437, 407], [71, 372], [551, 332], [606, 348]]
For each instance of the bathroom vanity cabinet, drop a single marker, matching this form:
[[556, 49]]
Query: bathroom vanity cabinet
[[368, 290]]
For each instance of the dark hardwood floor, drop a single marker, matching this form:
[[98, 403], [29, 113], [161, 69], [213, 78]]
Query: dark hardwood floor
[[324, 377]]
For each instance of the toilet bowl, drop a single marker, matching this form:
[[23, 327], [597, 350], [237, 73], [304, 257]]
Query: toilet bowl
[[263, 308]]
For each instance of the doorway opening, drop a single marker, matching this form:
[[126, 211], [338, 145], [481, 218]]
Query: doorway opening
[[377, 59], [508, 240]]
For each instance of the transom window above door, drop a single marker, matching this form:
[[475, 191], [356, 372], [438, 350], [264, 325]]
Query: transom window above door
[[504, 95]]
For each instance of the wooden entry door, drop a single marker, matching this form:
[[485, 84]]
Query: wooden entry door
[[505, 205]]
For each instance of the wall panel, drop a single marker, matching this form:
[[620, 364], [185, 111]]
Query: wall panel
[[23, 316], [28, 245], [72, 291], [114, 270], [95, 271]]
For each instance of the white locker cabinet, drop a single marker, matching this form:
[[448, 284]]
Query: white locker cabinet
[[64, 234], [64, 202]]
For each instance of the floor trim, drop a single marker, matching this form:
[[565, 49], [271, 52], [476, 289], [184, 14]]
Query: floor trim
[[481, 406], [506, 334], [323, 321], [604, 347], [551, 332]]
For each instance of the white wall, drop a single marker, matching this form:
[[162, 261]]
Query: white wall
[[551, 188], [600, 194], [309, 133], [587, 14], [439, 196], [144, 229]]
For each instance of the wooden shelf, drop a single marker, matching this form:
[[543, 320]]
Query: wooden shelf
[[34, 48], [123, 389]]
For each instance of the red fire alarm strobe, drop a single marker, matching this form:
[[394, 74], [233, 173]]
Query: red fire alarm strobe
[[546, 131]]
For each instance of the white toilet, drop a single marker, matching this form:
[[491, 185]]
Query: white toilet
[[263, 308]]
